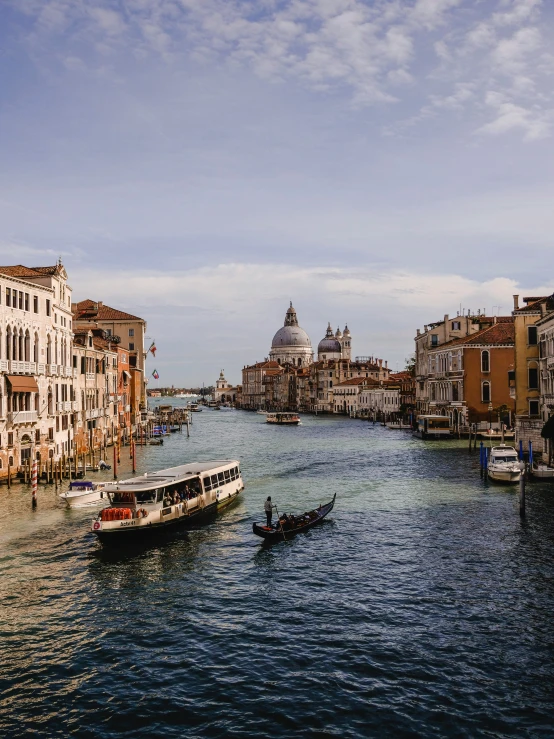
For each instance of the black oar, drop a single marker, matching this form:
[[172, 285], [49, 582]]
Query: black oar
[[280, 524]]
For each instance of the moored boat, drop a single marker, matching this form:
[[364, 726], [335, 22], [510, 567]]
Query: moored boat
[[433, 427], [167, 498], [289, 525], [83, 493], [542, 470], [283, 419], [503, 464]]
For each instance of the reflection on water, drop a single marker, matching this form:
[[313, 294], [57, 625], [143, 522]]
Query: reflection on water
[[421, 607]]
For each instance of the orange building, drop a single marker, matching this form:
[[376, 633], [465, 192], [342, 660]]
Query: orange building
[[470, 377]]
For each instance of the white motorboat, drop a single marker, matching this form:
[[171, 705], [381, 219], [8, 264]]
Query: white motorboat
[[177, 496], [82, 494], [542, 470], [503, 464], [398, 425], [262, 413]]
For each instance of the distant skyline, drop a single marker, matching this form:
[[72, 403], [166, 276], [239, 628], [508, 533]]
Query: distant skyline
[[202, 162]]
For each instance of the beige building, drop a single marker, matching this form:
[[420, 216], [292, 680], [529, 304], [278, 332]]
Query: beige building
[[129, 329], [36, 373], [528, 413], [545, 329]]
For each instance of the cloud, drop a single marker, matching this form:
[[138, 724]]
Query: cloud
[[509, 117]]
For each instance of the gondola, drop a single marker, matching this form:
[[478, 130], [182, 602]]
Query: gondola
[[280, 531]]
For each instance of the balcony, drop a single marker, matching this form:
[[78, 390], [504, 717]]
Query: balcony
[[550, 362], [65, 406], [93, 413], [90, 376], [51, 369], [21, 417], [4, 367], [28, 368], [41, 369]]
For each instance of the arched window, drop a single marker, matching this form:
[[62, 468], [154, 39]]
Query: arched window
[[485, 361], [9, 343], [27, 346], [20, 351], [50, 402], [486, 392], [48, 350], [35, 349]]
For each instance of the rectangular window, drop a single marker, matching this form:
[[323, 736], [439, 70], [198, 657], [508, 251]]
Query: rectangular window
[[51, 433], [434, 340], [26, 301], [456, 325], [8, 296], [533, 407], [10, 438], [35, 303], [47, 307], [486, 392], [533, 378], [131, 332], [37, 436], [532, 335], [75, 361], [83, 369], [20, 300], [131, 347]]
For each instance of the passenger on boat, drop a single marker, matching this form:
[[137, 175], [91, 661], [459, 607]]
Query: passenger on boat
[[167, 499]]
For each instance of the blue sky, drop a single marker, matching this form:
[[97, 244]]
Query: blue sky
[[203, 162]]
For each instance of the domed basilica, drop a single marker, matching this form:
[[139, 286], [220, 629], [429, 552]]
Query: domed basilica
[[291, 344]]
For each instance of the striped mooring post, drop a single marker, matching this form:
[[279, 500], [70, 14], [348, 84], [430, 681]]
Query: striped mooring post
[[34, 482]]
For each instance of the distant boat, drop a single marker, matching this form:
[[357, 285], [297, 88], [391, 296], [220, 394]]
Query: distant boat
[[283, 419], [542, 470]]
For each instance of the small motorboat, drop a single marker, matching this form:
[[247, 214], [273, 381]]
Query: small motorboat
[[542, 470], [83, 493], [289, 525], [503, 465]]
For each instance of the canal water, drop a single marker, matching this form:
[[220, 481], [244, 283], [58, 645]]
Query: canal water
[[421, 608]]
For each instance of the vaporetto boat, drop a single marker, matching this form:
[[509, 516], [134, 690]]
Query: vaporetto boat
[[168, 498]]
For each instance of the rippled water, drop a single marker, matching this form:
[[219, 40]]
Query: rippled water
[[422, 607]]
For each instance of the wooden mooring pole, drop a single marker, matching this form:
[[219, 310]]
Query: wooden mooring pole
[[522, 493]]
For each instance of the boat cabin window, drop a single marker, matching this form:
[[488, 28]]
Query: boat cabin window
[[438, 423], [227, 474], [123, 497], [214, 481], [146, 496], [505, 458], [207, 484], [220, 478]]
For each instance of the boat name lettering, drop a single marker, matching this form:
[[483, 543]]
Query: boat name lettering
[[127, 523]]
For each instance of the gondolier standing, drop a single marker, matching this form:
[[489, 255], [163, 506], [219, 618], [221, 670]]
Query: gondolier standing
[[268, 508]]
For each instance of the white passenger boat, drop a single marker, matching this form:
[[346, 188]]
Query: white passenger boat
[[82, 493], [503, 464], [283, 419], [168, 498], [542, 470]]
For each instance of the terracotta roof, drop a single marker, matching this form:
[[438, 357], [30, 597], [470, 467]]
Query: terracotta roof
[[101, 312], [18, 270], [499, 334], [357, 381], [532, 304], [47, 270]]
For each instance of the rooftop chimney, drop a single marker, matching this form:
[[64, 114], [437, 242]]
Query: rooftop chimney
[[516, 302]]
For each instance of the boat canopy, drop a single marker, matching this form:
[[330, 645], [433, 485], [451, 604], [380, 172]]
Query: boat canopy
[[81, 485]]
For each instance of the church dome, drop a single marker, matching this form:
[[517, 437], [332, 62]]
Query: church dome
[[291, 334], [329, 344]]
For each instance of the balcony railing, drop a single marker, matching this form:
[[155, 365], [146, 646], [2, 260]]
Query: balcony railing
[[51, 369], [17, 417], [550, 362], [29, 368], [4, 366], [65, 406], [90, 375]]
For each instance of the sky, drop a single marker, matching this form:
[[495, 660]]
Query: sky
[[201, 163]]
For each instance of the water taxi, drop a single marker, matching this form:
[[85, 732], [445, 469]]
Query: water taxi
[[433, 427], [283, 419], [503, 465], [82, 493], [168, 498]]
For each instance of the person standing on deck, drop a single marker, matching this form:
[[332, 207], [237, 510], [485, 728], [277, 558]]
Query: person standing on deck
[[268, 508]]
